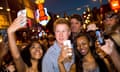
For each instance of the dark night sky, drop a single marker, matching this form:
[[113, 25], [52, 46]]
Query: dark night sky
[[69, 6]]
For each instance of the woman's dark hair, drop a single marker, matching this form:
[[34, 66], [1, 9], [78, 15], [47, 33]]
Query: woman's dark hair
[[79, 58], [26, 56]]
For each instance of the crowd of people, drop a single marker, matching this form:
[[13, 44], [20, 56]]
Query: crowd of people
[[52, 55]]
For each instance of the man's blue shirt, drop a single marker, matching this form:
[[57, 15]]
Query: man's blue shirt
[[50, 60]]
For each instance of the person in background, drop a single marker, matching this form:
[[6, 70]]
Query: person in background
[[51, 39], [8, 63], [76, 25], [112, 48], [106, 59], [91, 28], [50, 60], [11, 68], [29, 60], [3, 50], [45, 43], [111, 19]]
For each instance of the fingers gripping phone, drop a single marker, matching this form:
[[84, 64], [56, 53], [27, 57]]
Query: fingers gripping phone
[[100, 37]]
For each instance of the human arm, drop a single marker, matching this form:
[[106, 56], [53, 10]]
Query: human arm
[[3, 50], [109, 48], [61, 67], [64, 57], [12, 43], [73, 68], [115, 56]]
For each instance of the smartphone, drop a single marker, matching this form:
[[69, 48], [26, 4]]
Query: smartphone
[[100, 37], [28, 22], [68, 43], [23, 13]]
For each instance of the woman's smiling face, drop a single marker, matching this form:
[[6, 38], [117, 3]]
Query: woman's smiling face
[[83, 45], [36, 51]]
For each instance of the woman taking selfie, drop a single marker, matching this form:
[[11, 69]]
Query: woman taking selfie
[[29, 60]]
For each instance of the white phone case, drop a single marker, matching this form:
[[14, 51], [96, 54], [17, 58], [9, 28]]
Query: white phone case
[[23, 12], [68, 43]]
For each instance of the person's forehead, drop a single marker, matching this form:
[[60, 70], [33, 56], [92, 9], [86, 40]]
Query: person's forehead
[[62, 25], [108, 19]]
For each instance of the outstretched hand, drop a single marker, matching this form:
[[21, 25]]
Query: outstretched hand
[[18, 23], [108, 47], [63, 57]]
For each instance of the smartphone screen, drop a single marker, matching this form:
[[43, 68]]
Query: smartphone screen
[[100, 37]]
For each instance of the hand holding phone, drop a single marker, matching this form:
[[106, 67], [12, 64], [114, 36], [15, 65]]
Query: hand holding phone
[[69, 45], [24, 14], [100, 37]]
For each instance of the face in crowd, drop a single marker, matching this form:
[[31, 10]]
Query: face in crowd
[[76, 23], [62, 33], [36, 51], [83, 45], [62, 30], [111, 19], [109, 22]]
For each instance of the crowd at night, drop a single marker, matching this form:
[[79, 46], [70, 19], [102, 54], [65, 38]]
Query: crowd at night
[[34, 39]]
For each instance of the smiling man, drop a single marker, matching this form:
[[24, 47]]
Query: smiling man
[[50, 60]]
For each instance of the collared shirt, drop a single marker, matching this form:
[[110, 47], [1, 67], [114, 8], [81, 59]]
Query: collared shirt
[[50, 60]]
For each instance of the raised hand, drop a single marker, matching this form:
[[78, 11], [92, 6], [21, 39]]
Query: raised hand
[[108, 47], [18, 23], [64, 54]]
